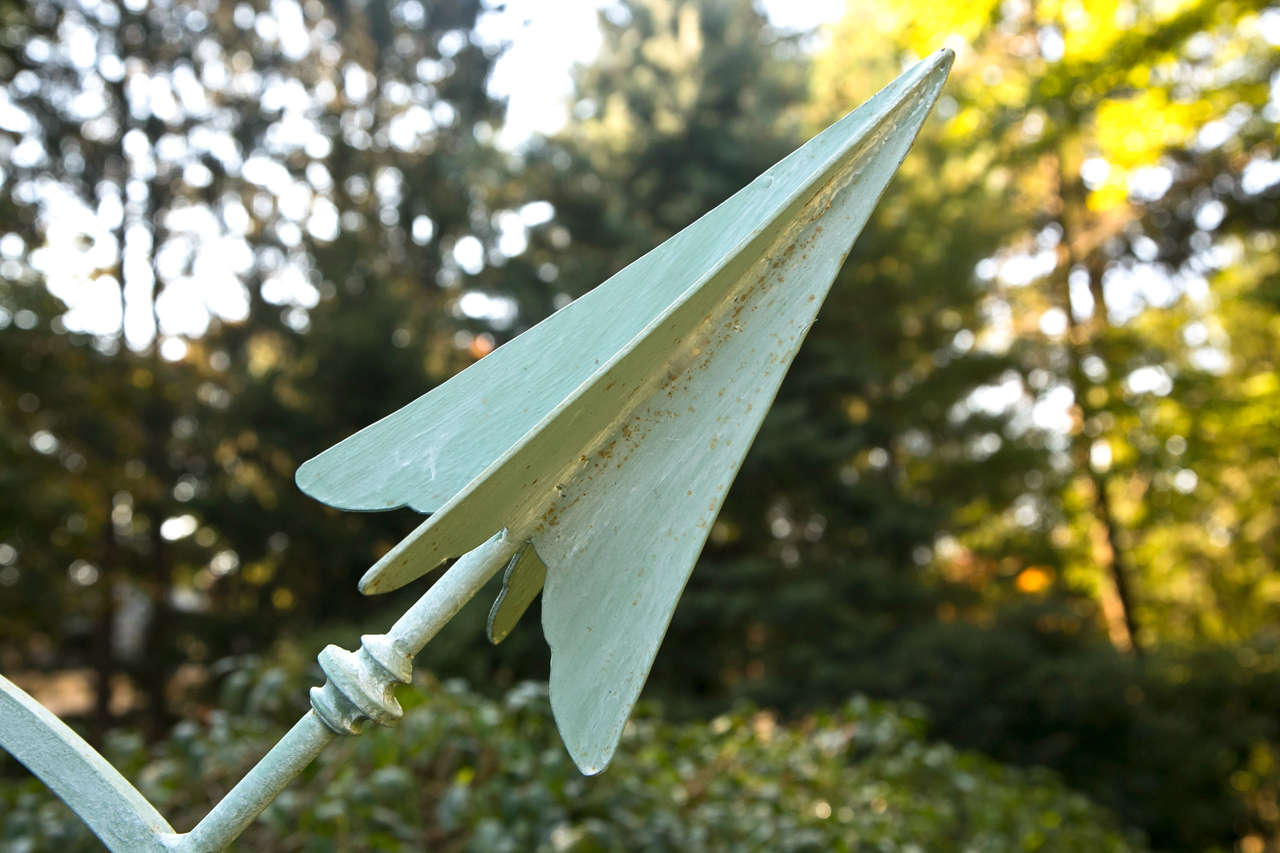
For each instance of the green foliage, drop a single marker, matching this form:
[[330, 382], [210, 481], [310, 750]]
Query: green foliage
[[889, 507], [466, 773], [1112, 293], [1183, 743]]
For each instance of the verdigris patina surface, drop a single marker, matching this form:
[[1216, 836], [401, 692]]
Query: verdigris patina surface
[[589, 457]]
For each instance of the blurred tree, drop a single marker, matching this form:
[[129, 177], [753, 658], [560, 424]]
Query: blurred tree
[[1124, 155], [198, 183], [1088, 117], [399, 175], [104, 108], [1207, 527]]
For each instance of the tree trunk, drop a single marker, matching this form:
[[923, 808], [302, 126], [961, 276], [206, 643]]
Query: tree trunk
[[1117, 600], [102, 654]]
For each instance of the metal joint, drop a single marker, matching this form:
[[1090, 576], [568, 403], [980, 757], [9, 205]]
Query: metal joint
[[361, 684]]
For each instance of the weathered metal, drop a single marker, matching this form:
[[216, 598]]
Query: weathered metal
[[73, 770], [607, 435], [592, 454]]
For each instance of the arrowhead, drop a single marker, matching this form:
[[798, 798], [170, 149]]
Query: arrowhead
[[608, 434]]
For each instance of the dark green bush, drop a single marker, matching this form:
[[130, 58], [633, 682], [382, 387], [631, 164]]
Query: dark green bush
[[466, 773], [1182, 743]]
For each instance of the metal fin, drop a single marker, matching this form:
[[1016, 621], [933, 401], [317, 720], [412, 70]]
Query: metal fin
[[521, 583]]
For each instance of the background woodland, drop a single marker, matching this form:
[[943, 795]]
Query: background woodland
[[1021, 483]]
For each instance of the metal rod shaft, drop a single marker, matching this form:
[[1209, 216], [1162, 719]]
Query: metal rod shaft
[[289, 757], [446, 597]]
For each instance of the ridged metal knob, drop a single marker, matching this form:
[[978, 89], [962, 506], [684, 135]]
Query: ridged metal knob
[[361, 684]]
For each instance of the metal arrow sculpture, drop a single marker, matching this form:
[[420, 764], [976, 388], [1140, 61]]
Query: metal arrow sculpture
[[589, 457]]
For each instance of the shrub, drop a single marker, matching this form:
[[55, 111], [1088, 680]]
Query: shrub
[[462, 772], [1184, 744]]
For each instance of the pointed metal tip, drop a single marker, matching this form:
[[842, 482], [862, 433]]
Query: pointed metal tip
[[372, 582], [938, 62], [928, 76]]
